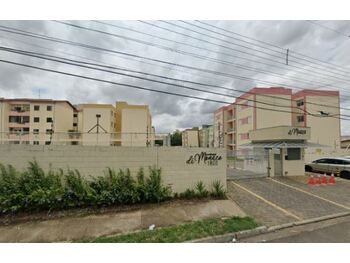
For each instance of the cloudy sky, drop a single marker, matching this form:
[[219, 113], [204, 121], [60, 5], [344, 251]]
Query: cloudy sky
[[188, 51]]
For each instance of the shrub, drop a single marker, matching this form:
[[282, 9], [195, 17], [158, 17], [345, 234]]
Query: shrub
[[34, 190], [201, 192], [154, 190], [77, 192], [218, 190], [188, 194]]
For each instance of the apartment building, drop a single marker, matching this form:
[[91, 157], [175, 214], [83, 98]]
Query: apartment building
[[95, 124], [323, 106], [261, 108], [222, 120], [206, 136], [35, 121], [190, 137], [134, 125], [277, 106]]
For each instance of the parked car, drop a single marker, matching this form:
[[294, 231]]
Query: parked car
[[335, 165]]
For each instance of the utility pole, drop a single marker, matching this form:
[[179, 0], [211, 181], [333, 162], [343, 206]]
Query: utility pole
[[287, 56]]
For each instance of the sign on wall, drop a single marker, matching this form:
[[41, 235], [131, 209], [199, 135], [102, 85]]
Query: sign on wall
[[297, 131], [205, 158]]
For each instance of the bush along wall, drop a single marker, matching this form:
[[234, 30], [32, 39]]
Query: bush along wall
[[35, 190]]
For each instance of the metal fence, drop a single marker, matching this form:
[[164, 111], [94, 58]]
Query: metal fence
[[85, 138], [253, 160]]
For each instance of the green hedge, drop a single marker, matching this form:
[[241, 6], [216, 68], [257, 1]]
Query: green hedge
[[35, 190]]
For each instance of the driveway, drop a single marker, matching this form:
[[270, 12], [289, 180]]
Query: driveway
[[288, 199]]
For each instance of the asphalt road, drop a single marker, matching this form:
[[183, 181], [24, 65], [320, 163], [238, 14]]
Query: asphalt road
[[338, 233]]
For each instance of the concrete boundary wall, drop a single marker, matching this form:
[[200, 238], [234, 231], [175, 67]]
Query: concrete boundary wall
[[181, 167]]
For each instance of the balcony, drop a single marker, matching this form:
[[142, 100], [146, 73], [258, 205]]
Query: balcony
[[231, 130], [230, 118], [231, 142], [19, 110]]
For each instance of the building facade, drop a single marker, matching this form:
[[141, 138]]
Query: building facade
[[190, 137], [95, 124], [35, 121], [206, 136], [134, 125], [277, 106], [318, 109]]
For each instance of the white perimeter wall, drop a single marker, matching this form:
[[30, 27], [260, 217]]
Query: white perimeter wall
[[93, 160]]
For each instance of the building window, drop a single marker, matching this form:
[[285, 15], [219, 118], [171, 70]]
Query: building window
[[48, 131], [244, 136], [245, 120], [36, 119], [25, 119], [35, 131], [300, 103], [47, 143], [36, 107], [75, 115], [300, 118], [75, 124], [49, 108], [48, 119], [293, 154], [36, 142]]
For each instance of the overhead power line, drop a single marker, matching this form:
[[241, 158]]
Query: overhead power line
[[144, 88], [299, 69], [220, 61], [328, 28], [53, 39], [280, 62], [294, 53], [179, 51], [230, 42], [154, 75], [78, 63]]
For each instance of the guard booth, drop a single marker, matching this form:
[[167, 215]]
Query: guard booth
[[285, 146]]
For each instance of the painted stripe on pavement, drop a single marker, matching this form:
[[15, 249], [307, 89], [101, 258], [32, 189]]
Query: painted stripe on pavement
[[268, 202], [306, 192]]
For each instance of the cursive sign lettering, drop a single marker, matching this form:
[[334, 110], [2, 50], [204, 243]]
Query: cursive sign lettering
[[296, 131], [203, 157]]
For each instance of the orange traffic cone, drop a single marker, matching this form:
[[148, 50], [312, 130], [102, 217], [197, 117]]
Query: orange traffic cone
[[318, 180], [331, 179], [324, 180], [311, 181]]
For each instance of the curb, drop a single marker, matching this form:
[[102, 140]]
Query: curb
[[307, 221], [232, 237]]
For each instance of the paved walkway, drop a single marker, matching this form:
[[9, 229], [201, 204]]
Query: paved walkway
[[287, 199], [78, 228], [237, 174]]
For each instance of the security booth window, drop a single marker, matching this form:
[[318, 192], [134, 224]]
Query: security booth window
[[293, 154]]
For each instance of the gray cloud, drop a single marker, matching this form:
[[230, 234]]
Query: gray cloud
[[172, 112]]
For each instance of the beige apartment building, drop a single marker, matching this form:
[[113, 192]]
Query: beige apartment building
[[324, 119], [190, 137], [224, 127], [206, 136], [134, 125], [277, 106], [35, 121], [95, 124]]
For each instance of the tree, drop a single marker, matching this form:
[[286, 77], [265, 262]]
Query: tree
[[176, 138]]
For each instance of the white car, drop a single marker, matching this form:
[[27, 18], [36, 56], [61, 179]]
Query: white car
[[335, 165]]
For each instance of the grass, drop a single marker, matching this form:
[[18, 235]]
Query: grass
[[185, 232]]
